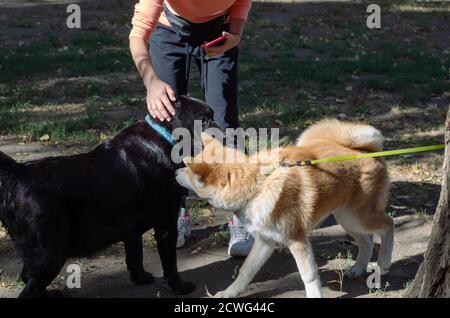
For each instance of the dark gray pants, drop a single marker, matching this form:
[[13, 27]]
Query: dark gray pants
[[171, 56]]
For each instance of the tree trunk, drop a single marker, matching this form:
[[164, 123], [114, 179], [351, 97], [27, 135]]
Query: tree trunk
[[433, 277]]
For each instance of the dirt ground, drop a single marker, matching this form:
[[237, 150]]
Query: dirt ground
[[408, 115]]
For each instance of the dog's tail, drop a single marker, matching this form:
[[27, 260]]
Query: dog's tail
[[351, 135], [8, 176], [8, 166]]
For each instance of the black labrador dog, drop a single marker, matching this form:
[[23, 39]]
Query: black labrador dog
[[73, 206]]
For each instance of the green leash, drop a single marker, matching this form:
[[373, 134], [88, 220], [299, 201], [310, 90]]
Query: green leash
[[361, 156]]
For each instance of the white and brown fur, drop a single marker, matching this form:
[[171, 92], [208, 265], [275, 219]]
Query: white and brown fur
[[282, 204]]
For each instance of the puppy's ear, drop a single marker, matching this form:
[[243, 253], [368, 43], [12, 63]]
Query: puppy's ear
[[188, 162], [202, 170], [213, 149], [207, 139]]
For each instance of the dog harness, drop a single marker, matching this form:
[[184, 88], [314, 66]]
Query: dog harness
[[161, 130]]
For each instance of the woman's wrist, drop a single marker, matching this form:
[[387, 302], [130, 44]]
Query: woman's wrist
[[148, 73], [148, 79]]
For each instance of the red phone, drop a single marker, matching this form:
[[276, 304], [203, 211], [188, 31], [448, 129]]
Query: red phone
[[216, 41]]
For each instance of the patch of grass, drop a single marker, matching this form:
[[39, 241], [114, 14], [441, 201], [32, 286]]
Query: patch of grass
[[148, 239], [129, 122], [407, 284], [285, 114], [80, 54], [126, 99], [79, 129], [340, 271], [86, 126], [335, 49], [413, 6], [415, 139], [5, 280], [19, 283], [380, 292], [221, 236], [413, 71], [199, 213], [11, 282], [423, 214], [6, 244], [392, 213], [357, 30], [405, 67]]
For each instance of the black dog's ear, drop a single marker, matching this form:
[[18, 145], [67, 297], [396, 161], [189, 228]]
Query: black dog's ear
[[177, 103]]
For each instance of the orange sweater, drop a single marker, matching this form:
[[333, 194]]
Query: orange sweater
[[147, 13]]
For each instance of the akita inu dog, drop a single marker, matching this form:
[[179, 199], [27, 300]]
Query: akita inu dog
[[281, 204]]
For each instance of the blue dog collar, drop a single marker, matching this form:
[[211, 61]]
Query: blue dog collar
[[161, 130]]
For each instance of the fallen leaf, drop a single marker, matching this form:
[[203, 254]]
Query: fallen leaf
[[399, 207], [45, 137], [103, 137], [196, 251]]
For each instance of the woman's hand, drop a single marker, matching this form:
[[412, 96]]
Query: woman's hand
[[159, 99], [159, 94], [231, 40]]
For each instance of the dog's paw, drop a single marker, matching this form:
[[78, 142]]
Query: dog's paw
[[225, 294], [142, 278], [356, 271], [181, 287]]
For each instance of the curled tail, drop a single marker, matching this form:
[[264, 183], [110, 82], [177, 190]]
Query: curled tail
[[351, 135]]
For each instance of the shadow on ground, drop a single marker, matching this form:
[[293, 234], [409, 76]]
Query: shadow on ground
[[208, 266]]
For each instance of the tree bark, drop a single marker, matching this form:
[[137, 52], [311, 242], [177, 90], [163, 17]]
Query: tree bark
[[433, 277]]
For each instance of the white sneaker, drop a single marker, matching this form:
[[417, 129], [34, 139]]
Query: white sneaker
[[184, 227], [241, 241]]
